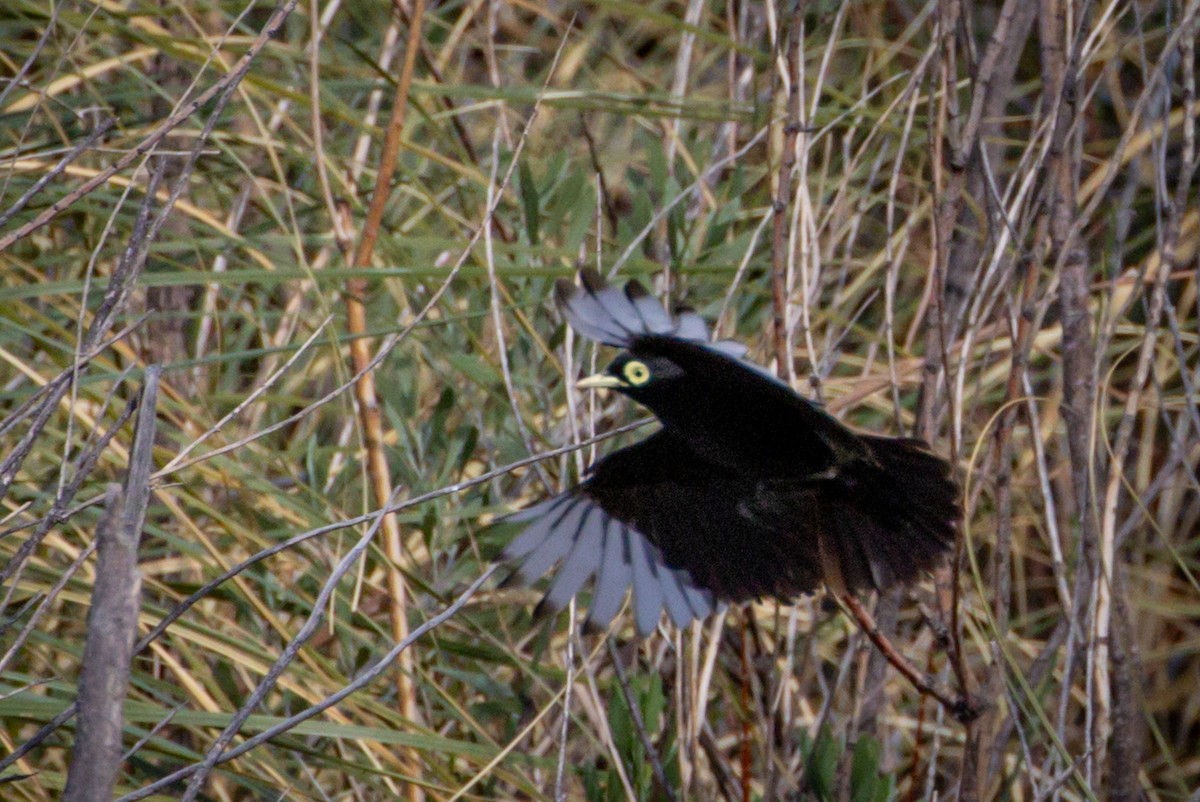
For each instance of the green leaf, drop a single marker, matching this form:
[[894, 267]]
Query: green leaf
[[475, 368], [822, 765], [529, 199], [865, 782]]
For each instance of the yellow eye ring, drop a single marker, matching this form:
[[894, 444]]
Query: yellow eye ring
[[636, 373]]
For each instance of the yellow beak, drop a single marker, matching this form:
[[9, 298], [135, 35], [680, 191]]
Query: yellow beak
[[600, 380]]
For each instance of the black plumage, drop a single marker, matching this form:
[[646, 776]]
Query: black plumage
[[748, 490]]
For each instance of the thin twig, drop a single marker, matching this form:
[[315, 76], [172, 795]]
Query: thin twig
[[365, 678], [227, 82], [962, 708], [635, 712]]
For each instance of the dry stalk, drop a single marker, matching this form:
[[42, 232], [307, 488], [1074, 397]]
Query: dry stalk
[[370, 416]]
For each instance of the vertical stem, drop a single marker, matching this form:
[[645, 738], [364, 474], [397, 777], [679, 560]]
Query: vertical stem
[[747, 757], [104, 678], [788, 76], [1068, 255], [369, 413], [112, 618]]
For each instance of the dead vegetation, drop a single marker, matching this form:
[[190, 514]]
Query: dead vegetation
[[335, 227]]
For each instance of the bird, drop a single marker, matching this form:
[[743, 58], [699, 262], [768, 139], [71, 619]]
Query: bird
[[747, 490]]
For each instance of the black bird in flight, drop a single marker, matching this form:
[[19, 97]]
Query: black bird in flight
[[748, 490]]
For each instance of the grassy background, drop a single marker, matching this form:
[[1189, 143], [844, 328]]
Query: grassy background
[[979, 222]]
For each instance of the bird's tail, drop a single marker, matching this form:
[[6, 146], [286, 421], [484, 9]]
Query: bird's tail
[[899, 517]]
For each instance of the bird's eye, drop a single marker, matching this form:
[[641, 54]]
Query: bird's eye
[[636, 373]]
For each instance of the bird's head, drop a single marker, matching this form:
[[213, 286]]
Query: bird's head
[[643, 378], [666, 375]]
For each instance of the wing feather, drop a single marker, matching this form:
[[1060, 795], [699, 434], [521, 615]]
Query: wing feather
[[690, 326], [557, 543], [581, 563], [543, 518], [618, 317], [614, 576], [655, 319], [674, 599], [684, 533], [647, 588], [588, 316], [699, 600], [615, 303]]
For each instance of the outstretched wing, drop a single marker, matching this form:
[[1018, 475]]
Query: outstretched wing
[[684, 533], [575, 532], [617, 317], [588, 538], [679, 531]]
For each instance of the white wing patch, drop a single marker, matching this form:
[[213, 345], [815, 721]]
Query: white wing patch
[[617, 317], [574, 532]]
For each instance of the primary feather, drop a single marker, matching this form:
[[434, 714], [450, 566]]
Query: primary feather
[[749, 490]]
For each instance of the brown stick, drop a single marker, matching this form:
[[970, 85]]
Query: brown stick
[[369, 413], [104, 677], [747, 756], [1068, 255], [914, 772], [112, 619], [783, 192], [963, 708]]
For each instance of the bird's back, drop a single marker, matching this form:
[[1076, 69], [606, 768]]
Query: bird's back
[[737, 415]]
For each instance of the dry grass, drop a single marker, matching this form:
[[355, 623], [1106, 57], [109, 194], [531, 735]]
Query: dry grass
[[975, 222]]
